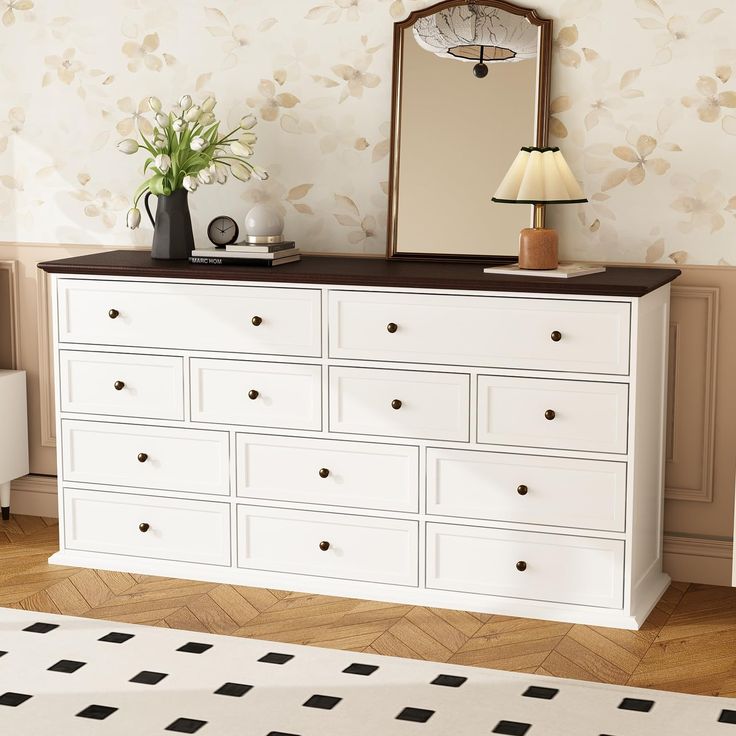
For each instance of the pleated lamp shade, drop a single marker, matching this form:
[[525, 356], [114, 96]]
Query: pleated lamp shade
[[539, 176]]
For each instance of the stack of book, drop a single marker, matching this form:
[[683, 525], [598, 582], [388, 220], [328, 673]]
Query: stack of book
[[247, 254]]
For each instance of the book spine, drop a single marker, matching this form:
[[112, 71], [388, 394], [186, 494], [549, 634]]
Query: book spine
[[214, 261]]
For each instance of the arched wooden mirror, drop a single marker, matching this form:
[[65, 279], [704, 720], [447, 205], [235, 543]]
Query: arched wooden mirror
[[471, 86]]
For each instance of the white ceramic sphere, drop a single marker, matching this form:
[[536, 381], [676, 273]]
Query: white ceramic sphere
[[264, 220]]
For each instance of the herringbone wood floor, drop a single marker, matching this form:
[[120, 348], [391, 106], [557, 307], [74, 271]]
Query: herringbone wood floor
[[688, 644]]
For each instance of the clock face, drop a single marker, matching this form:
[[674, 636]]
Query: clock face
[[222, 231]]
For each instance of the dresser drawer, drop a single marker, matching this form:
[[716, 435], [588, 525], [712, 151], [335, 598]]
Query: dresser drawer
[[391, 403], [144, 386], [527, 489], [497, 332], [281, 395], [355, 547], [335, 473], [544, 567], [565, 415], [160, 458], [175, 529], [191, 316]]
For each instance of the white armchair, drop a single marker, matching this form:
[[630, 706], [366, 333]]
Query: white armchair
[[13, 433]]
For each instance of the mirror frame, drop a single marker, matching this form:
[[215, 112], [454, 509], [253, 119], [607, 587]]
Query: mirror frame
[[542, 122]]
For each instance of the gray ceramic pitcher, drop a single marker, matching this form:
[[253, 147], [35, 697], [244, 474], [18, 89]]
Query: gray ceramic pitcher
[[172, 227]]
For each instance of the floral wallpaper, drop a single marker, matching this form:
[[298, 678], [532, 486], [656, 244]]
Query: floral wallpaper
[[644, 108]]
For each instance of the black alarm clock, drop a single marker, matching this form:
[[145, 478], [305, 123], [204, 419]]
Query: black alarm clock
[[222, 231]]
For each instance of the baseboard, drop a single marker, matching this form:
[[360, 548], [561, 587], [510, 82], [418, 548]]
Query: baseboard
[[698, 560], [34, 495]]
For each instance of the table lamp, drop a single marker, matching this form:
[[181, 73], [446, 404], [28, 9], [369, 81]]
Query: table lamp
[[539, 176]]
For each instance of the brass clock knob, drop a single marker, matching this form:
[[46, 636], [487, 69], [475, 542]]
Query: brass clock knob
[[550, 414], [256, 321], [324, 546], [396, 404], [392, 327], [113, 314], [118, 385], [143, 527], [252, 394], [142, 457], [556, 336], [323, 472], [521, 565], [522, 490]]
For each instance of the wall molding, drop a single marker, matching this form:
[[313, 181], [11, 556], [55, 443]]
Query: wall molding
[[698, 559], [703, 491], [35, 495], [11, 266], [46, 360]]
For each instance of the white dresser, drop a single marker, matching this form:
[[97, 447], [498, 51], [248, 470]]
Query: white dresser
[[417, 433]]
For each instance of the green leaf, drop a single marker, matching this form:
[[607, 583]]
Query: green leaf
[[149, 161]]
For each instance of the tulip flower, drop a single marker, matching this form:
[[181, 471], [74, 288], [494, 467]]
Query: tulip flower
[[205, 177], [260, 173], [185, 102], [206, 118], [192, 113], [248, 122], [155, 104], [178, 125], [133, 218], [240, 150], [248, 139], [128, 146], [190, 183], [209, 104], [198, 143], [158, 140], [240, 171], [162, 120], [162, 162], [219, 172]]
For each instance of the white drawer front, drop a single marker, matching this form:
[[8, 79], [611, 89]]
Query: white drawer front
[[562, 569], [145, 386], [586, 415], [335, 473], [527, 489], [159, 458], [432, 405], [186, 531], [497, 332], [360, 548], [191, 316], [285, 395]]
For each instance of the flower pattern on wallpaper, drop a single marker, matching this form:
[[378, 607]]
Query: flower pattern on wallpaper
[[643, 106]]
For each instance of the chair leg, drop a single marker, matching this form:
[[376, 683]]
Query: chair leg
[[5, 500]]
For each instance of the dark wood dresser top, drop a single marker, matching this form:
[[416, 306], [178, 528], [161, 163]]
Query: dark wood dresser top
[[377, 272]]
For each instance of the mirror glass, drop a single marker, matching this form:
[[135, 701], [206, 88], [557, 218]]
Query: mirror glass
[[469, 92]]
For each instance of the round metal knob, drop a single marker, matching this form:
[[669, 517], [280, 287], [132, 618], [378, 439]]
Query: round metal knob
[[256, 321], [252, 394], [392, 327], [556, 336], [522, 490], [144, 527], [118, 385], [396, 404], [142, 457], [324, 546], [550, 414], [521, 565], [113, 314], [323, 472]]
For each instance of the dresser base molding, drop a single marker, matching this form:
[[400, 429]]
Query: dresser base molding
[[606, 617]]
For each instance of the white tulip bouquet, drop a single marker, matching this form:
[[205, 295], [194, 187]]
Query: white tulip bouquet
[[186, 150]]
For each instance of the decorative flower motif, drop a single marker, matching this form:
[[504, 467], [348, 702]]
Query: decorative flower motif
[[334, 12], [12, 126], [137, 117], [638, 155], [557, 128], [11, 6], [271, 102], [142, 53], [701, 201], [365, 228], [104, 205], [65, 66], [357, 78], [711, 102], [561, 44]]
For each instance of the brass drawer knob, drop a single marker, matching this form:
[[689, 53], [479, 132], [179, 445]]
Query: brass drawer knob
[[521, 565], [142, 457], [252, 394], [118, 385], [522, 490], [143, 527], [324, 546], [392, 327], [556, 336], [324, 472], [256, 321], [396, 404], [550, 414], [113, 314]]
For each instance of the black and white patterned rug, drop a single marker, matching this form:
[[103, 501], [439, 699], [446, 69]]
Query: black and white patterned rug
[[66, 676]]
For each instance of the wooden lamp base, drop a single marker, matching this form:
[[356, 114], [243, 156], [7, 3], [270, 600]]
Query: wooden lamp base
[[538, 249]]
